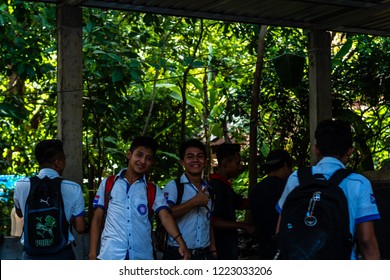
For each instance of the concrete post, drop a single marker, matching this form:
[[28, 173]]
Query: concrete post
[[319, 82], [70, 80], [69, 107]]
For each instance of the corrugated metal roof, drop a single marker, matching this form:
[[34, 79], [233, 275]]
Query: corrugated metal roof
[[354, 16]]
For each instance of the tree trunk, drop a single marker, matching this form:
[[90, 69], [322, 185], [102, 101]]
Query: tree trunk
[[183, 94], [206, 114], [254, 109]]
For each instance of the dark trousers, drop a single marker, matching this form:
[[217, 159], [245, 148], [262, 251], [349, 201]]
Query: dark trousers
[[227, 249], [267, 252], [65, 254], [172, 253]]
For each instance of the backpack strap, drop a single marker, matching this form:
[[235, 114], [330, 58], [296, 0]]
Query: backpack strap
[[339, 175], [304, 175], [107, 190], [33, 182], [180, 190], [151, 193]]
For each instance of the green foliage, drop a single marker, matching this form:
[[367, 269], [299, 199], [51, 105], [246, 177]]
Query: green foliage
[[28, 76], [140, 63], [360, 97]]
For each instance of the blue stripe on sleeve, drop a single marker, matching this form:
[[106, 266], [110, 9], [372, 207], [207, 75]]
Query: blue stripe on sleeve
[[162, 207], [367, 218], [171, 202], [79, 215]]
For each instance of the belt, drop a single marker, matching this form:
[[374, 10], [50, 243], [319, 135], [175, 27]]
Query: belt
[[199, 251], [194, 252]]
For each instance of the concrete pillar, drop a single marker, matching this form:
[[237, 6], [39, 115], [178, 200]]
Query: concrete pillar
[[69, 83], [320, 67], [69, 107]]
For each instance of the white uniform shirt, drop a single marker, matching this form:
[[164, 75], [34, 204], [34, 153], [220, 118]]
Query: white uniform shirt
[[195, 225], [127, 231]]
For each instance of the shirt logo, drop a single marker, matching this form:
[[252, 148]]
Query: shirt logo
[[96, 199], [372, 197], [166, 195], [142, 209]]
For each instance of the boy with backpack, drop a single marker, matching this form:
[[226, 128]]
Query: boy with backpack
[[48, 205], [193, 212], [329, 220], [122, 222]]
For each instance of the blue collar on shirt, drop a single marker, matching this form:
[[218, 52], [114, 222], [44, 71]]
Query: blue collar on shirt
[[121, 175], [184, 179]]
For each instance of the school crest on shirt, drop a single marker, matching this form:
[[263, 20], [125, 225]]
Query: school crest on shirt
[[142, 209], [96, 199]]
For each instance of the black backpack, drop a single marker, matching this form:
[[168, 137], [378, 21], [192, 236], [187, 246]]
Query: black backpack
[[160, 233], [315, 219], [45, 226]]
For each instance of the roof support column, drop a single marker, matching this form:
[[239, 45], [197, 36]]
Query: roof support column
[[320, 67], [69, 86]]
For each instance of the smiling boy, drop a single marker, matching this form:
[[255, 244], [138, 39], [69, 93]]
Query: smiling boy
[[193, 214], [127, 228]]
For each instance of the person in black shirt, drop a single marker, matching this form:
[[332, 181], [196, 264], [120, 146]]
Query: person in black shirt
[[264, 197], [227, 201]]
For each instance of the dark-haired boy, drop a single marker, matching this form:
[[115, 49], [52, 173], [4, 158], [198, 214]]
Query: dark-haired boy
[[127, 229], [52, 160], [263, 198], [227, 201], [193, 214], [333, 149]]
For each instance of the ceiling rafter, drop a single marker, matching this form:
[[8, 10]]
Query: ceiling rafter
[[354, 16]]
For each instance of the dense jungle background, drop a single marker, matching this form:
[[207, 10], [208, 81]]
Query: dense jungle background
[[177, 78]]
